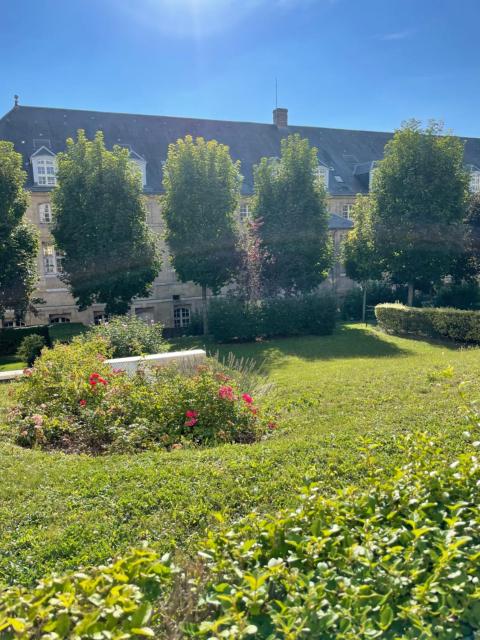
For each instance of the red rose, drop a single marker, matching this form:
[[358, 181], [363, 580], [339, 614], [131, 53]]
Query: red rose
[[226, 393], [248, 398], [191, 414], [82, 403]]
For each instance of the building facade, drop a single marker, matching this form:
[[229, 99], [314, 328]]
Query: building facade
[[346, 165]]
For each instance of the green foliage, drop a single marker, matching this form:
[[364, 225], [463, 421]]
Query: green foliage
[[11, 338], [130, 336], [202, 189], [30, 348], [453, 324], [291, 205], [113, 601], [65, 331], [377, 292], [18, 239], [399, 560], [418, 204], [361, 262], [233, 319], [465, 295], [71, 400], [100, 225]]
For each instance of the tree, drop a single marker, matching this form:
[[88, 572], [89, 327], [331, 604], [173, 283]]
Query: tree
[[361, 262], [291, 202], [100, 225], [18, 240], [418, 203], [202, 190], [253, 258]]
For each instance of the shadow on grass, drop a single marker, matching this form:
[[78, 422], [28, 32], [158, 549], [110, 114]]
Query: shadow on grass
[[346, 342]]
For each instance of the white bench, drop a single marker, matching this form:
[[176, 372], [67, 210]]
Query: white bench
[[185, 360]]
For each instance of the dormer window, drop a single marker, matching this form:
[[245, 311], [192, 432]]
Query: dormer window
[[475, 181], [322, 174], [139, 162], [44, 167], [45, 212]]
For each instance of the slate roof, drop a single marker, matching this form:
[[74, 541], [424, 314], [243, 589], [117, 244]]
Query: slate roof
[[343, 151]]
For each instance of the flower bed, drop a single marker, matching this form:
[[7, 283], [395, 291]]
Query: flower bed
[[72, 400]]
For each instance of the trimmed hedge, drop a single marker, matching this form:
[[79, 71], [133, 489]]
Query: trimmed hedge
[[12, 338], [399, 561], [453, 324], [231, 319]]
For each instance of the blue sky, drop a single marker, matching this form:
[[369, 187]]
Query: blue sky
[[361, 64]]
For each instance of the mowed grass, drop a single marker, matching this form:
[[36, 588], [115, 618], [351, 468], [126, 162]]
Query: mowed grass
[[9, 363], [334, 393]]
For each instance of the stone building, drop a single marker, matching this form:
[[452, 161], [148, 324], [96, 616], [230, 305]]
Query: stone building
[[346, 165]]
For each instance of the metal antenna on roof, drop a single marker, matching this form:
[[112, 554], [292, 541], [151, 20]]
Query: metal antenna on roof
[[15, 97]]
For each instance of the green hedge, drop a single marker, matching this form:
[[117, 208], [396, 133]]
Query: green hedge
[[399, 561], [453, 324], [11, 339], [231, 319], [66, 331]]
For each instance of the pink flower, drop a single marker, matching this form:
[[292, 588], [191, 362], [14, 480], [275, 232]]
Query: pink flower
[[271, 425], [191, 423], [37, 419], [191, 414], [27, 372], [82, 403], [226, 393], [253, 410], [248, 398]]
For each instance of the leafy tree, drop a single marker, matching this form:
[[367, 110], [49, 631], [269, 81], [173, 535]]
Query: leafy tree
[[100, 225], [291, 203], [18, 240], [418, 203], [253, 257], [361, 262], [202, 190]]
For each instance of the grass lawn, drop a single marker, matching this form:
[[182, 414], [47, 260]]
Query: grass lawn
[[58, 511], [9, 363]]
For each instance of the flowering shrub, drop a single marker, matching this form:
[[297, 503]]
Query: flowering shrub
[[130, 336], [72, 400]]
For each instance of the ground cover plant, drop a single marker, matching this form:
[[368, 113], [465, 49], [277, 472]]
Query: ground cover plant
[[398, 560], [338, 395], [72, 400], [131, 336]]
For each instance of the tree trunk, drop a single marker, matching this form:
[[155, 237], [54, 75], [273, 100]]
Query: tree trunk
[[364, 303], [204, 310], [410, 294]]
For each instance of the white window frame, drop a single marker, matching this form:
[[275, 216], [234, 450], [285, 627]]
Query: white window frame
[[45, 213], [244, 211], [347, 210], [52, 260], [182, 316], [44, 169], [59, 318], [322, 173], [475, 181]]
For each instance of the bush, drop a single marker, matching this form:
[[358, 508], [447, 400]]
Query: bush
[[11, 339], [453, 324], [31, 348], [397, 561], [459, 296], [130, 336], [72, 400], [378, 292], [232, 319]]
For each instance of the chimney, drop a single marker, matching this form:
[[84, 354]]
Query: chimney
[[280, 118]]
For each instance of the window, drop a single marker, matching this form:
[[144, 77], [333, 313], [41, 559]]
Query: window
[[52, 260], [45, 212], [181, 317], [44, 171], [99, 317], [146, 314], [244, 210], [347, 211], [13, 323], [475, 182], [59, 318], [322, 175]]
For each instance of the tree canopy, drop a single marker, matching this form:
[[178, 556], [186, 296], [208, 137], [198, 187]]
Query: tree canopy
[[18, 239], [202, 191], [418, 202], [361, 262], [100, 224], [290, 201]]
